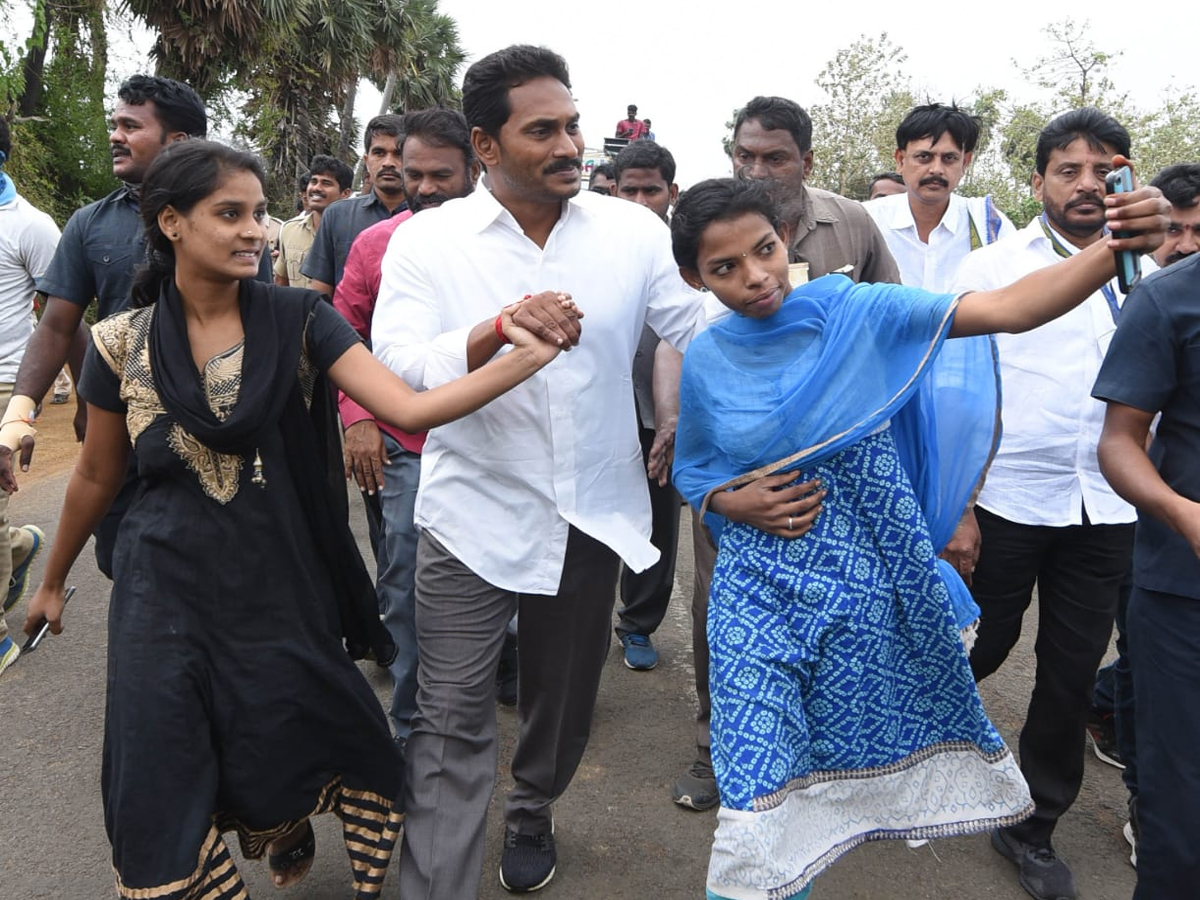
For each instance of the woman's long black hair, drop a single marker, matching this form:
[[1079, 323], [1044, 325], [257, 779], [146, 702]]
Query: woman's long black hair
[[182, 175]]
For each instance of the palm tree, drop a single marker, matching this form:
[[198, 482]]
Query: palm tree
[[415, 67]]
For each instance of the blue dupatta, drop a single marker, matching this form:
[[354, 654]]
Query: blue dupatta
[[837, 362]]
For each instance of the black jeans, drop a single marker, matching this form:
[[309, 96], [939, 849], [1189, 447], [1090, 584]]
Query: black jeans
[[1113, 694], [1164, 641], [1078, 571]]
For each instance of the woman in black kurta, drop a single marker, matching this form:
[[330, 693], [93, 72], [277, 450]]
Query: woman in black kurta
[[232, 703]]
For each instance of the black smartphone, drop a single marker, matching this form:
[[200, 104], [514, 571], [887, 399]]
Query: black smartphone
[[1129, 263]]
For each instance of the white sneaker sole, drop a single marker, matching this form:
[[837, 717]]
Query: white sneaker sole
[[1128, 832]]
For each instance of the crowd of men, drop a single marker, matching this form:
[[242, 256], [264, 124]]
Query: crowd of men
[[421, 262]]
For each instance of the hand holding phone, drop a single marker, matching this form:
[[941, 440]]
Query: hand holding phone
[[43, 627], [1129, 263]]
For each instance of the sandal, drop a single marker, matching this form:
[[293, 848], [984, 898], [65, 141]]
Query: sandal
[[290, 866]]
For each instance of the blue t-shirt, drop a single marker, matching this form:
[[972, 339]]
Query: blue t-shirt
[[100, 248], [1153, 364], [340, 224]]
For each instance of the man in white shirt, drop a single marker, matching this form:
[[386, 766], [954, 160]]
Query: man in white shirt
[[28, 238], [532, 501], [930, 230], [1046, 514]]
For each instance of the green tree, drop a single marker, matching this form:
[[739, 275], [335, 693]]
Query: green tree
[[298, 64], [1169, 135], [420, 74], [1076, 70], [56, 89], [854, 130]]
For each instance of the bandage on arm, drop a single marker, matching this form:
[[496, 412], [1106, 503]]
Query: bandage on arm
[[17, 421]]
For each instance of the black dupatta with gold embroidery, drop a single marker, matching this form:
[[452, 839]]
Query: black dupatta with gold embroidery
[[271, 402]]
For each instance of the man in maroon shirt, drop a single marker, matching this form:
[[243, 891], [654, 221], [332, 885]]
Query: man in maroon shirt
[[437, 165]]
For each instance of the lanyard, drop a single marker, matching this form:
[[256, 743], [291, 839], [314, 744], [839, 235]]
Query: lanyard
[[1106, 288]]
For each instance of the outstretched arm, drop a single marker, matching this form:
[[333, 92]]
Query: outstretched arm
[[98, 476], [371, 384], [1050, 292]]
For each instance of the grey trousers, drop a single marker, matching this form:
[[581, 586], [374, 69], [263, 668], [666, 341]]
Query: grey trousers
[[452, 751]]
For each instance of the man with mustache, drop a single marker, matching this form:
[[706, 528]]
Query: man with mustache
[[1046, 514], [532, 502], [438, 166], [1180, 184], [343, 221], [329, 180], [930, 230], [100, 247]]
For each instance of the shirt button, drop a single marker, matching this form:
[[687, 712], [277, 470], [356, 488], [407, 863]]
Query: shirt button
[[106, 258]]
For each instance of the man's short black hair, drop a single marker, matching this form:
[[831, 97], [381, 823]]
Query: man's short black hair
[[778, 114], [885, 176], [5, 138], [605, 169], [646, 155], [177, 107], [1180, 184], [388, 124], [1099, 129], [330, 165], [631, 108], [488, 81], [440, 128], [935, 119]]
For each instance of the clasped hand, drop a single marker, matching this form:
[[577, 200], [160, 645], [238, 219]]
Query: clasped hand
[[543, 324]]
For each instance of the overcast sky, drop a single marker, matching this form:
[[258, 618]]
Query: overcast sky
[[687, 65]]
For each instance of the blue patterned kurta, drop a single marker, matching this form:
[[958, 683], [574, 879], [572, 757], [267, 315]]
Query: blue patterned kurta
[[843, 707]]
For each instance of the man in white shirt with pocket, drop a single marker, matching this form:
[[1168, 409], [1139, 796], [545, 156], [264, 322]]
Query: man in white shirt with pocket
[[930, 229], [1046, 514], [533, 501]]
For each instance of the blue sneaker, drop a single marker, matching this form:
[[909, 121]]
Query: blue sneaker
[[18, 582], [640, 654], [8, 653]]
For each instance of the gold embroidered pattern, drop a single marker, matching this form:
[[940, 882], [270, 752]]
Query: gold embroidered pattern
[[216, 472], [123, 341]]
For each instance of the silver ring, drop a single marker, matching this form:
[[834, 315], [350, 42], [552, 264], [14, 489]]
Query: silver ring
[[789, 523]]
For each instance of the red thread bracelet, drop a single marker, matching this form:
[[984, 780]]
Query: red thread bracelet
[[500, 323]]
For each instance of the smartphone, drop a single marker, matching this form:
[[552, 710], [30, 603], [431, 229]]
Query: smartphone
[[44, 628], [1129, 263]]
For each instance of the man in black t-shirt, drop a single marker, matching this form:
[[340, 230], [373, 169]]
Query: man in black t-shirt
[[1152, 367]]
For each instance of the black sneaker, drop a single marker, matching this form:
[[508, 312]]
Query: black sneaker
[[1103, 735], [1041, 872], [528, 861], [697, 787]]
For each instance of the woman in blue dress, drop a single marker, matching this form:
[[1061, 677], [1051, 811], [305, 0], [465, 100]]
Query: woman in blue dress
[[843, 706]]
